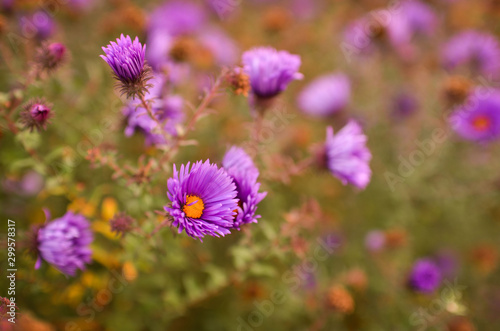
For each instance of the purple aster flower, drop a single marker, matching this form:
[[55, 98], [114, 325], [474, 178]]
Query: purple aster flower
[[325, 95], [347, 156], [242, 170], [473, 49], [167, 109], [38, 25], [375, 240], [425, 276], [203, 200], [270, 71], [36, 115], [176, 18], [64, 243], [412, 18], [126, 58], [478, 119]]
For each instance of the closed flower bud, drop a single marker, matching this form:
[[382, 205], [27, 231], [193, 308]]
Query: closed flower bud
[[36, 114], [121, 224], [51, 55]]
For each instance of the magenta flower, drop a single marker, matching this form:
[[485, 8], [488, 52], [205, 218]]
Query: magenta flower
[[270, 71], [478, 119], [325, 95], [64, 243], [203, 200], [36, 115], [425, 276], [347, 156], [242, 170]]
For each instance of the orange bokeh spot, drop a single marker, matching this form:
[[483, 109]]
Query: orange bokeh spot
[[194, 206], [481, 123]]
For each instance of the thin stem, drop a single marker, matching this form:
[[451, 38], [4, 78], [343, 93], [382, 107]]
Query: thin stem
[[146, 105]]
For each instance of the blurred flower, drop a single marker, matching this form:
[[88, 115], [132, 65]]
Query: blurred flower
[[478, 119], [38, 25], [425, 276], [347, 155], [177, 18], [476, 50], [126, 58], [270, 71], [64, 243], [409, 19], [224, 49], [4, 307], [357, 279], [396, 238], [167, 109], [51, 55], [375, 241], [129, 271], [460, 323], [485, 258], [403, 106], [203, 200], [325, 95], [121, 224], [339, 299], [36, 115]]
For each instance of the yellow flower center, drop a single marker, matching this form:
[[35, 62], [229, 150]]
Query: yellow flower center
[[194, 206], [481, 123]]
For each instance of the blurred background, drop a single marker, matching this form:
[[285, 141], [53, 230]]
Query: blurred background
[[323, 256]]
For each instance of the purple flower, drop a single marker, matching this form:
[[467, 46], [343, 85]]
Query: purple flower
[[325, 95], [167, 109], [242, 170], [270, 71], [176, 18], [347, 155], [409, 19], [448, 263], [64, 243], [203, 200], [38, 25], [478, 119], [473, 49], [375, 240], [223, 48], [126, 58], [412, 18], [425, 276]]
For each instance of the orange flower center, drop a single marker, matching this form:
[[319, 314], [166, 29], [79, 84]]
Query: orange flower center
[[481, 123], [194, 206]]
